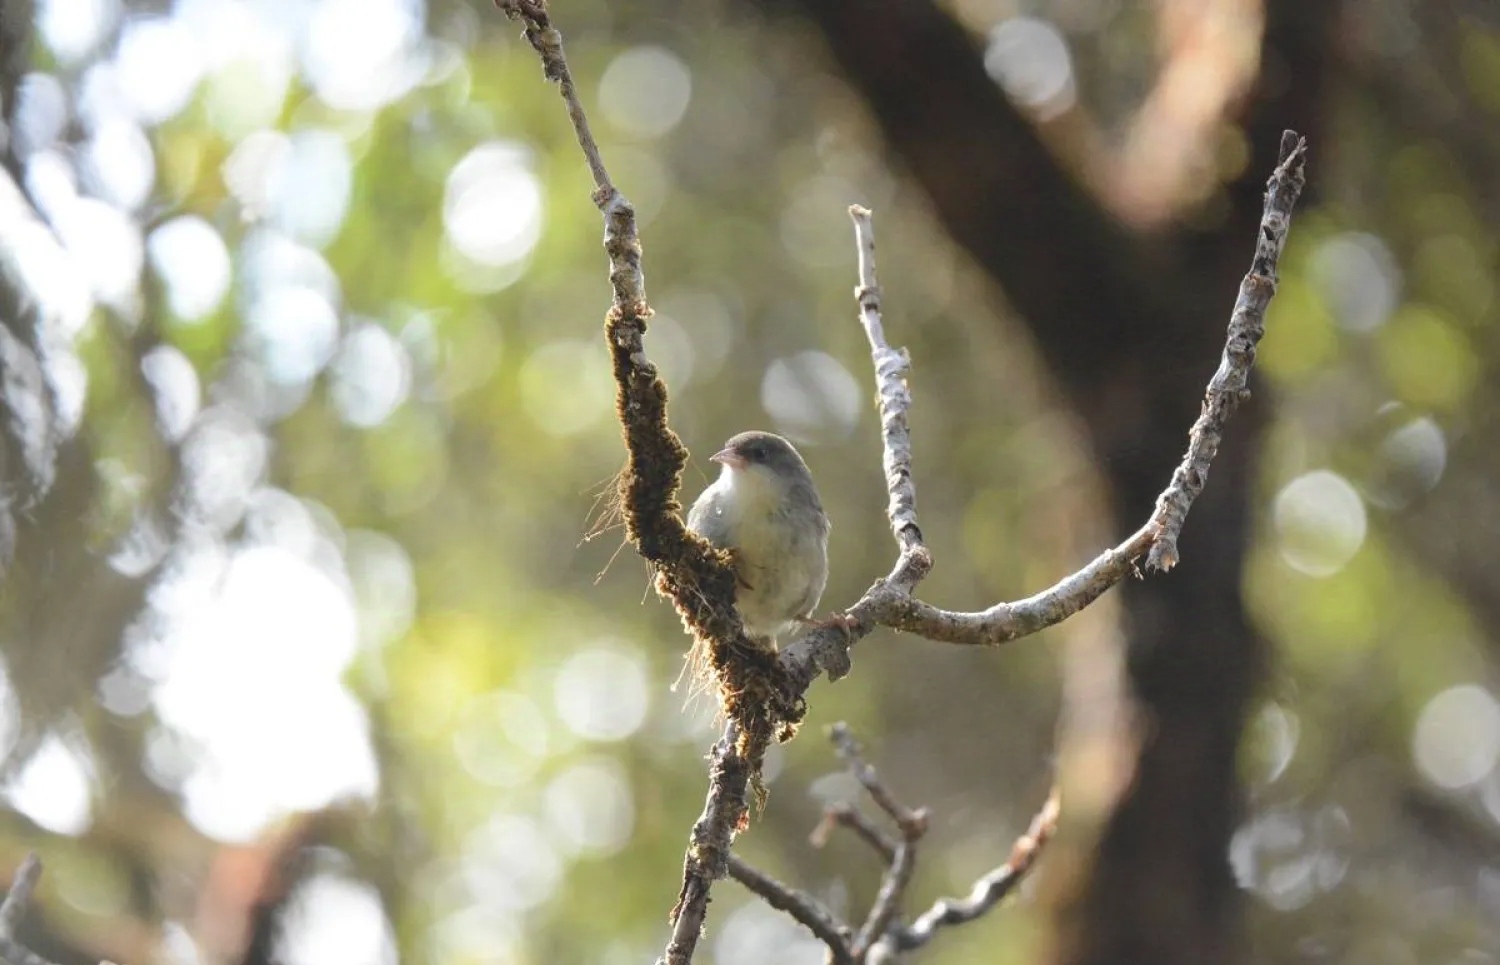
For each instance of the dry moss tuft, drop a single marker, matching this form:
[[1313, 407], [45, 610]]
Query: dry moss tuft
[[754, 690]]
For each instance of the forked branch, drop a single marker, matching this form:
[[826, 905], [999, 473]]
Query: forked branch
[[761, 693], [884, 934]]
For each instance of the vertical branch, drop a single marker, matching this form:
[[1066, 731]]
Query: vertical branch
[[1230, 383], [696, 577], [891, 368], [11, 910], [21, 887]]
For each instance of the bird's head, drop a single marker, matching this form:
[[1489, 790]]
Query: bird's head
[[763, 459]]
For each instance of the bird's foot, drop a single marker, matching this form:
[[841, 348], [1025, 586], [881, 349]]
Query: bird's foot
[[838, 619]]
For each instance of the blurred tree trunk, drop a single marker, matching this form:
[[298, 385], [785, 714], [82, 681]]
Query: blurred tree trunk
[[1131, 328]]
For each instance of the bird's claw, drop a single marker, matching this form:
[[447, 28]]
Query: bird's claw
[[839, 619]]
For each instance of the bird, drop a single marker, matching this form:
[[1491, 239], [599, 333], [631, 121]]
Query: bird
[[764, 509]]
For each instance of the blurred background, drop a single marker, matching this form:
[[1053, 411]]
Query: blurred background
[[305, 410]]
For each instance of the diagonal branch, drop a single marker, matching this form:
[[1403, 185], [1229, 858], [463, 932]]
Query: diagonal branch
[[762, 693], [1230, 385], [889, 601], [806, 909], [988, 890], [849, 816], [696, 577], [883, 935], [913, 824], [11, 910]]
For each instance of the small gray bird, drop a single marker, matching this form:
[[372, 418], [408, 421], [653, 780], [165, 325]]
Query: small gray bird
[[765, 509]]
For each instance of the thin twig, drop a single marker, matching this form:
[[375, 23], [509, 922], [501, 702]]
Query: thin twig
[[700, 581], [888, 900], [11, 910], [709, 856], [891, 368], [913, 824], [697, 578], [21, 887], [854, 819], [547, 42], [988, 890], [1230, 385], [890, 601], [808, 911]]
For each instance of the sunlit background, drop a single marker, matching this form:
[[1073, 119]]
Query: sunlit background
[[308, 659]]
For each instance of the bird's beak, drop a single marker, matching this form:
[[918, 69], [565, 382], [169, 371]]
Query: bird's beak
[[730, 458]]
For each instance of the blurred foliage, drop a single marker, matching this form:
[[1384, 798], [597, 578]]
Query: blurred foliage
[[412, 437]]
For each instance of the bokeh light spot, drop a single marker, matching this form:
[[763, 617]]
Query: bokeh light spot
[[811, 396], [1358, 279], [159, 65], [106, 244], [1456, 742], [600, 693], [270, 630], [813, 228], [566, 387], [502, 738], [589, 808], [1320, 523], [308, 185], [1409, 462], [331, 918], [191, 259], [174, 382], [754, 933], [1029, 58], [118, 164], [71, 29], [361, 54], [371, 376], [509, 864], [41, 114], [492, 205], [645, 91], [294, 331], [1428, 360], [53, 789]]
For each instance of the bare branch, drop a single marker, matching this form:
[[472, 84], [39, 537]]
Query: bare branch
[[11, 910], [762, 693], [890, 601], [808, 911], [888, 900], [891, 367], [1230, 384], [854, 819], [696, 577], [913, 824], [987, 891], [21, 887], [547, 42], [709, 856]]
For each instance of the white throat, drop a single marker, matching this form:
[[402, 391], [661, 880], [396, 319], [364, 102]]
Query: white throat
[[752, 487]]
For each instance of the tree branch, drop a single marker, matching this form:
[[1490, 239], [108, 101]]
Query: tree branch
[[1230, 385], [808, 911], [882, 936], [11, 910], [889, 602], [913, 824], [849, 816], [988, 890], [762, 695], [696, 577]]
